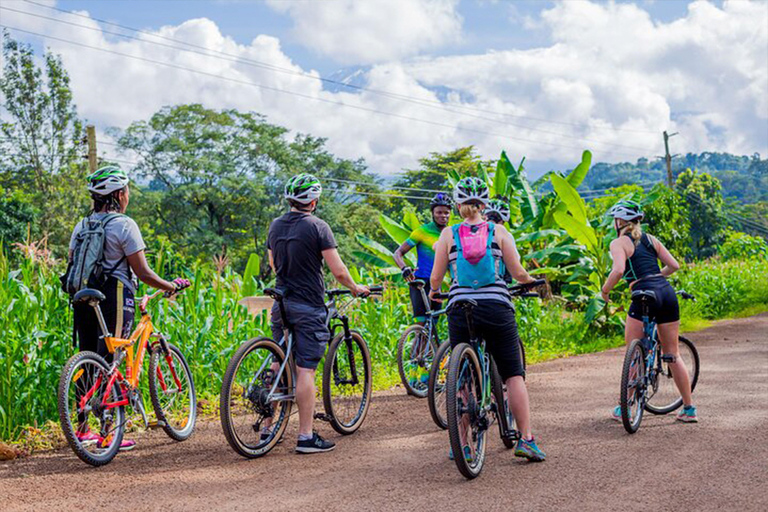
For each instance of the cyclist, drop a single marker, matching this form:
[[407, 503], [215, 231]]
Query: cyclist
[[494, 316], [123, 262], [497, 212], [635, 258], [423, 239], [298, 242]]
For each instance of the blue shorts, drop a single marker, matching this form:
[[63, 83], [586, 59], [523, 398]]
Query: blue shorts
[[310, 333]]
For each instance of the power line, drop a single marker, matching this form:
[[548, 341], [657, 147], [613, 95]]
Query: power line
[[273, 67]]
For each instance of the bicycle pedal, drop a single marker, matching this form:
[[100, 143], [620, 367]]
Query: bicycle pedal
[[322, 417], [156, 424]]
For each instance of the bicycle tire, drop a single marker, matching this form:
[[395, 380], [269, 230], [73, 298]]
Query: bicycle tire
[[70, 373], [331, 370], [653, 409], [155, 390], [634, 357], [225, 401], [460, 353], [433, 393], [401, 344], [503, 412]]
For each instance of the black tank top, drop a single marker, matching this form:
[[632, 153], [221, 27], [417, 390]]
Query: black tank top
[[644, 261]]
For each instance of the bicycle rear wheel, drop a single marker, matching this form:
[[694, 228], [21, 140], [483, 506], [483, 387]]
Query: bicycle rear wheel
[[438, 374], [464, 398], [507, 425], [173, 392], [93, 431], [347, 382], [666, 398], [633, 386], [252, 422], [415, 354]]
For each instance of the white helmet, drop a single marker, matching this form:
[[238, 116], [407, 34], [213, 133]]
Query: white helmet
[[303, 188], [471, 189], [107, 180]]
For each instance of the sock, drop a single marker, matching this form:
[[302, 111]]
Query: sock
[[305, 437]]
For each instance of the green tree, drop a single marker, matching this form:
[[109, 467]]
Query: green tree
[[17, 215], [702, 193], [667, 217]]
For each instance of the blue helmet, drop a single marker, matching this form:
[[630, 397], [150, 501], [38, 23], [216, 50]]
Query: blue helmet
[[440, 199]]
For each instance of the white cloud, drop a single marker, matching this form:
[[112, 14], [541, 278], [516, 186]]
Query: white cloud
[[371, 31]]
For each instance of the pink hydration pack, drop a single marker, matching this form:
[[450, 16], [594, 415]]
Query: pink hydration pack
[[474, 241]]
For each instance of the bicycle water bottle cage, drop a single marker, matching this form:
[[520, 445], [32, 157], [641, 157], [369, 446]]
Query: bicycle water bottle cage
[[88, 296]]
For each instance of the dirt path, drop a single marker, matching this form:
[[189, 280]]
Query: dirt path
[[398, 460]]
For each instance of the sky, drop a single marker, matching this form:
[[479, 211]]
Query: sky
[[540, 79]]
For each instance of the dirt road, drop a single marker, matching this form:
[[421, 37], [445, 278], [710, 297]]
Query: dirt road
[[398, 460]]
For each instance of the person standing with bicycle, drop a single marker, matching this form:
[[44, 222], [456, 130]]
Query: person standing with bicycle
[[466, 247], [114, 273], [298, 242], [635, 259]]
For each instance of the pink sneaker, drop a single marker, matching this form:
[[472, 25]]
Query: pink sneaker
[[87, 437], [125, 446]]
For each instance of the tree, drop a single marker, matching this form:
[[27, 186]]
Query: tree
[[668, 219], [17, 215], [702, 194]]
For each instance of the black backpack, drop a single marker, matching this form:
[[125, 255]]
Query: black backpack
[[86, 268]]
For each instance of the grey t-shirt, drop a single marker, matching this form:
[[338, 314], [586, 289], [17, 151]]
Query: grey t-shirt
[[123, 239]]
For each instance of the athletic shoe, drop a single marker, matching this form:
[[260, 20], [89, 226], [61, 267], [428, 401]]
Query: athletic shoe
[[688, 414], [467, 454], [265, 436], [616, 414], [87, 437], [529, 450], [126, 446], [316, 444]]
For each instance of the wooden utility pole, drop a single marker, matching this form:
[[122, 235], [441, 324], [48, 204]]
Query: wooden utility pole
[[668, 158], [91, 135]]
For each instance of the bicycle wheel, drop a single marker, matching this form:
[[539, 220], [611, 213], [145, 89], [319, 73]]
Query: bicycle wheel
[[438, 375], [633, 386], [507, 426], [415, 354], [347, 382], [94, 432], [464, 398], [173, 392], [666, 398], [252, 422]]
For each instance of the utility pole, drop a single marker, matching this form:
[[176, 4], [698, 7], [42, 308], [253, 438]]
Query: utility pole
[[91, 136], [668, 158]]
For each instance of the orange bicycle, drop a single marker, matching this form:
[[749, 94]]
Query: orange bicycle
[[93, 393]]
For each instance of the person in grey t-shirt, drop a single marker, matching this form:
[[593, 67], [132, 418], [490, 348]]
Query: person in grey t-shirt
[[123, 259]]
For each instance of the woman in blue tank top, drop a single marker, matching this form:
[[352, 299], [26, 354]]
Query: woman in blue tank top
[[635, 259], [477, 252]]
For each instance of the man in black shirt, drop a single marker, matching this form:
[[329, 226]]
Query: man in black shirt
[[298, 243]]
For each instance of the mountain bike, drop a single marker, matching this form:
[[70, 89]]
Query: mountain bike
[[475, 394], [93, 393], [646, 378], [258, 389], [417, 346]]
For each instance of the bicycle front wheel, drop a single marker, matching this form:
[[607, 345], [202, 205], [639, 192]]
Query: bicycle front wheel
[[633, 386], [464, 406], [93, 430], [173, 392], [415, 353], [347, 382], [666, 398], [438, 375], [252, 417]]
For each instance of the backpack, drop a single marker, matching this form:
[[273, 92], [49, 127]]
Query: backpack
[[86, 268], [475, 266]]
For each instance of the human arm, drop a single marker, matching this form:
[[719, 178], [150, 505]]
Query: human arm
[[401, 251], [619, 257], [670, 263], [140, 267], [341, 273], [510, 255], [271, 261], [440, 266]]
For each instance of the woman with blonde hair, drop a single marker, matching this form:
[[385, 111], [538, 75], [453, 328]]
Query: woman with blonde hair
[[635, 259]]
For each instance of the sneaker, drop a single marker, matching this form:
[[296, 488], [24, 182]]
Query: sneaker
[[688, 414], [264, 436], [87, 438], [467, 454], [315, 445], [126, 446], [529, 450], [616, 414]]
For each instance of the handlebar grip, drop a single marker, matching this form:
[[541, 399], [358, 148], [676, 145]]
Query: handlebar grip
[[529, 294], [441, 296], [376, 289], [526, 286]]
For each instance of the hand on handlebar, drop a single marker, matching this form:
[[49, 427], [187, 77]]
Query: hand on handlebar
[[360, 290], [434, 295], [179, 284], [408, 274]]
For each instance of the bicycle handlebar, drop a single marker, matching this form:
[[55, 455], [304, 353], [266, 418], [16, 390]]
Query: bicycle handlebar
[[527, 286], [686, 295], [375, 290]]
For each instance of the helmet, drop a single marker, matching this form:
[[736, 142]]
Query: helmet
[[627, 210], [498, 206], [440, 199], [471, 189], [303, 188], [107, 180]]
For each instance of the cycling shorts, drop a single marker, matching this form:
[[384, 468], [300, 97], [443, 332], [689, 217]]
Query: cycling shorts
[[665, 310]]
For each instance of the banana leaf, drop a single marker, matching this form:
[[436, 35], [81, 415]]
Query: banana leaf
[[501, 181], [252, 269], [394, 229], [580, 232], [568, 195], [376, 249], [576, 176], [594, 307], [518, 182], [411, 221], [538, 235]]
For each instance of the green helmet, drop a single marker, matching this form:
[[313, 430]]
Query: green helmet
[[499, 207], [303, 188], [471, 189], [107, 180], [627, 210]]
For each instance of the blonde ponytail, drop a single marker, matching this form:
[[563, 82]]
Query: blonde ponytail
[[634, 229], [468, 210]]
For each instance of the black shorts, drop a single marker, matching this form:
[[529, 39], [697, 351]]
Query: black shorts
[[118, 310], [417, 302], [665, 310], [495, 322], [310, 332]]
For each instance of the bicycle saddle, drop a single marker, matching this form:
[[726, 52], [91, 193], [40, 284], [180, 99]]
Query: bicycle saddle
[[418, 283], [274, 293], [644, 295], [88, 295]]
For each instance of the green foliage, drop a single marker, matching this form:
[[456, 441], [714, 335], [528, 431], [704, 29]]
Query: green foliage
[[252, 271], [433, 172], [17, 215], [705, 210], [668, 219], [741, 246]]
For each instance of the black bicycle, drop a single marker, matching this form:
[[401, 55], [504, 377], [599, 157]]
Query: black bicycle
[[258, 389], [417, 348], [646, 377]]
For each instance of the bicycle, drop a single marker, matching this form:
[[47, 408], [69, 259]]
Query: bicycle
[[475, 394], [93, 393], [258, 388], [417, 347], [645, 376]]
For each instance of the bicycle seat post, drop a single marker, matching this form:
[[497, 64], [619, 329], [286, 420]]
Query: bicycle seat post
[[100, 316]]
